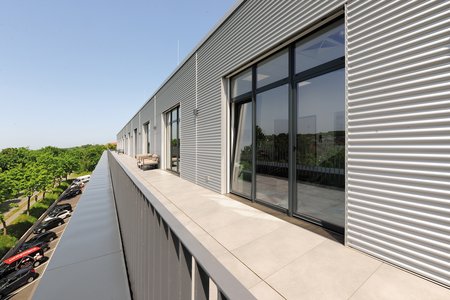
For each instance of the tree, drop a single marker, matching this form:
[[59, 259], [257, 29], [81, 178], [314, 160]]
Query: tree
[[9, 188], [14, 157], [111, 146], [44, 180], [5, 193], [29, 183]]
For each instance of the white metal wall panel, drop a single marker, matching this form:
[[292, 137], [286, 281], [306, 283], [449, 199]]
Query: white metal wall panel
[[188, 157], [399, 133], [147, 116], [180, 89], [254, 28], [135, 125]]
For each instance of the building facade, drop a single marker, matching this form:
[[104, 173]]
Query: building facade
[[335, 112]]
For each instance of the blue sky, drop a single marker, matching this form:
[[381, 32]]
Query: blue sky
[[73, 72]]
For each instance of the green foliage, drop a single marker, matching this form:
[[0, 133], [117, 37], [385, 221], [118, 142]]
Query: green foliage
[[21, 225], [14, 157], [24, 171], [6, 243], [38, 209], [51, 196], [111, 146], [13, 205]]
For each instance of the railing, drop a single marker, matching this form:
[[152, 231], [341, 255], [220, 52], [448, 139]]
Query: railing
[[164, 260]]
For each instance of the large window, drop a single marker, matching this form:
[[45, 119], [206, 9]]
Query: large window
[[146, 138], [288, 147], [272, 144], [173, 140], [321, 147]]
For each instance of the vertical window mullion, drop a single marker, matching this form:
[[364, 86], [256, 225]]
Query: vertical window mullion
[[253, 195], [292, 133]]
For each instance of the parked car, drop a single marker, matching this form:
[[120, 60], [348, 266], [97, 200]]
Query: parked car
[[47, 225], [84, 178], [77, 184], [71, 193], [30, 257], [64, 206], [41, 244], [16, 279], [59, 214], [45, 237]]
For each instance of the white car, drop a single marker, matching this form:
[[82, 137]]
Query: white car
[[61, 214], [84, 178], [76, 184]]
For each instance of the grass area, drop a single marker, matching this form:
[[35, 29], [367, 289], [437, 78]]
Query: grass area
[[75, 175], [6, 243]]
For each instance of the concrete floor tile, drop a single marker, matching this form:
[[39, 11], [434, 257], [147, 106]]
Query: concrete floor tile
[[217, 218], [239, 270], [273, 251], [263, 291], [329, 271], [392, 283], [206, 240], [246, 230]]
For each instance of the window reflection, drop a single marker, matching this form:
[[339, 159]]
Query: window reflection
[[321, 147], [320, 49], [241, 83], [272, 69], [242, 163], [272, 144], [146, 138], [173, 140], [319, 159]]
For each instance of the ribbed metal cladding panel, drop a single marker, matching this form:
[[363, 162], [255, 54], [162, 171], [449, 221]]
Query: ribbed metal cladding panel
[[188, 124], [255, 27], [399, 133], [180, 89]]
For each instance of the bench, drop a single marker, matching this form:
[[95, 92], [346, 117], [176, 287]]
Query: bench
[[147, 160]]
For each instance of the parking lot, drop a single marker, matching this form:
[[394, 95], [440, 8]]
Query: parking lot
[[26, 292]]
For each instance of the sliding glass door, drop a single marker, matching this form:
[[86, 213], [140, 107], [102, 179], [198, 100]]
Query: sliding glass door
[[320, 164], [173, 140], [289, 129]]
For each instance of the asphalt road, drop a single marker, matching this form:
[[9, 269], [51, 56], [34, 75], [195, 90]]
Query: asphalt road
[[26, 292]]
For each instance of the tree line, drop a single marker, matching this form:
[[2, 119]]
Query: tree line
[[25, 172]]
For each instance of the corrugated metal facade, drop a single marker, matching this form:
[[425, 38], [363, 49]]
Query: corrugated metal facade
[[252, 30], [398, 99], [180, 90], [399, 133]]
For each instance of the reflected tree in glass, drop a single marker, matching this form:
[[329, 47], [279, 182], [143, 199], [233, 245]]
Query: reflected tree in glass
[[242, 162]]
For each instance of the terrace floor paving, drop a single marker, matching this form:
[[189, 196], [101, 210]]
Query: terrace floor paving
[[276, 259]]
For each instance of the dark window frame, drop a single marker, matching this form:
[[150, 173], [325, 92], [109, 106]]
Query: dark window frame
[[292, 80], [169, 132]]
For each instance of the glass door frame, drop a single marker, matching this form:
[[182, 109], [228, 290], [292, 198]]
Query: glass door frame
[[169, 132], [241, 100], [292, 80]]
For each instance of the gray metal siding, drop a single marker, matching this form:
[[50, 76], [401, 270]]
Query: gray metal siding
[[399, 133], [135, 125], [180, 89], [255, 27], [147, 116]]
